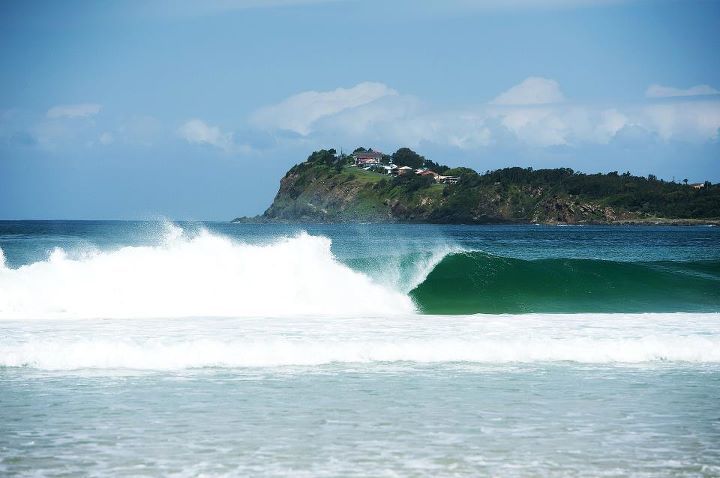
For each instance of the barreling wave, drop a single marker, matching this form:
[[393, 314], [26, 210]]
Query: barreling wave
[[476, 282], [198, 275]]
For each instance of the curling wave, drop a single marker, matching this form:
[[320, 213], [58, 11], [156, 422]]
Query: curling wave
[[476, 282]]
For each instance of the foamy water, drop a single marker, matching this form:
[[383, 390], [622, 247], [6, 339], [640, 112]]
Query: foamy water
[[246, 343], [202, 274]]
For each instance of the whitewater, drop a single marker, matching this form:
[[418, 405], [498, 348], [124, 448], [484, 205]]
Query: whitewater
[[249, 343], [188, 276]]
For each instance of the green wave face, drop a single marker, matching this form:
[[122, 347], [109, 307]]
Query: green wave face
[[477, 282]]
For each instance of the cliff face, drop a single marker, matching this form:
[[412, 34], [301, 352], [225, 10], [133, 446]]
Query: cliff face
[[319, 194]]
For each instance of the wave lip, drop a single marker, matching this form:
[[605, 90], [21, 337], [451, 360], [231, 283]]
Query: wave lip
[[201, 275]]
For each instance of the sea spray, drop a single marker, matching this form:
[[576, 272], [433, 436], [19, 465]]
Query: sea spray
[[402, 269], [203, 274]]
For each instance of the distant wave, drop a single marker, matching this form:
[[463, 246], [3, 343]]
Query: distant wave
[[203, 274], [476, 282]]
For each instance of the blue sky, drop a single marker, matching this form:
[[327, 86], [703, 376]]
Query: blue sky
[[194, 110]]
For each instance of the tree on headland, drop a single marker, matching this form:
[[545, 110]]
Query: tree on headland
[[408, 157]]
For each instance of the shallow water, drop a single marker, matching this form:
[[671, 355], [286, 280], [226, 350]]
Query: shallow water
[[370, 419]]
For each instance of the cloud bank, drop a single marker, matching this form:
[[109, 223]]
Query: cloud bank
[[533, 113]]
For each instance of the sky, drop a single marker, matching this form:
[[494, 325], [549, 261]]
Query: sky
[[194, 110]]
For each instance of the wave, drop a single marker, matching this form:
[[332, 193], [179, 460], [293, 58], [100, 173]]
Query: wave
[[476, 282], [203, 274]]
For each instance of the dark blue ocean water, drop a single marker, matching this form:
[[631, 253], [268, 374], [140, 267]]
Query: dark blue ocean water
[[24, 242]]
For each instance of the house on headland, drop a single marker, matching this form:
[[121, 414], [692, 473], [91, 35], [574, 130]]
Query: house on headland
[[447, 179], [437, 177], [367, 158], [380, 168], [697, 185], [427, 172]]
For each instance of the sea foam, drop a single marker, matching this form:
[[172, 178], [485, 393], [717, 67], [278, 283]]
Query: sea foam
[[204, 274], [286, 342]]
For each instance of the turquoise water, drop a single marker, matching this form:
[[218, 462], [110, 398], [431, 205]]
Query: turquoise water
[[159, 349]]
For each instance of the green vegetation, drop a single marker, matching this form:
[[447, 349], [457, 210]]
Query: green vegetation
[[328, 187]]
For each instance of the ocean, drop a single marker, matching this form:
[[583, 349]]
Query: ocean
[[217, 349]]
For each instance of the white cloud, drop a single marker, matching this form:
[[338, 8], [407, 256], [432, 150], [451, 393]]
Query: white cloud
[[82, 110], [532, 91], [695, 121], [611, 122], [535, 126], [575, 124], [658, 91], [557, 125], [300, 112], [405, 120], [196, 131]]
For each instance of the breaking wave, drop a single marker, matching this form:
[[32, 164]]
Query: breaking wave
[[203, 274], [195, 275]]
